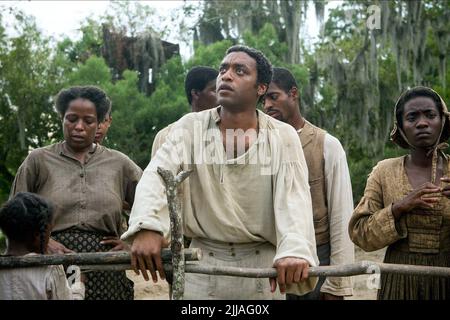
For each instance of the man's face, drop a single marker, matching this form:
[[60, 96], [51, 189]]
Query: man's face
[[279, 104], [236, 83], [102, 129], [205, 99]]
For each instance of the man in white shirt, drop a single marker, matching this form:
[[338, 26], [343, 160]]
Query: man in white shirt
[[329, 179], [247, 201]]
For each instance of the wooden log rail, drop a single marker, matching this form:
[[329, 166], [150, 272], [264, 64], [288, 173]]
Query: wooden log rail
[[116, 261], [100, 259], [346, 270]]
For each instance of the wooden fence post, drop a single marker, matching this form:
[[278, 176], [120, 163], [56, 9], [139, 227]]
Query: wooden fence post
[[176, 230]]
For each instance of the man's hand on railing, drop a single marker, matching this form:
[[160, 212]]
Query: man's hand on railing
[[146, 254], [290, 270]]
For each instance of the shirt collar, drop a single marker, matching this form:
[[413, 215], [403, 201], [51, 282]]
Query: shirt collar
[[215, 114], [64, 151]]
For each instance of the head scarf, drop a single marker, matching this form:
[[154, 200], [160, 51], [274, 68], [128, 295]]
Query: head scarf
[[399, 137]]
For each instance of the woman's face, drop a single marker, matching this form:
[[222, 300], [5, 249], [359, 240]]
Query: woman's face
[[421, 122], [80, 124]]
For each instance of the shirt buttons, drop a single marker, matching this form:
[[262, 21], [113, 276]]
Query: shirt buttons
[[82, 175]]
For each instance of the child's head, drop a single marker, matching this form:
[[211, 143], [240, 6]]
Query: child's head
[[27, 219]]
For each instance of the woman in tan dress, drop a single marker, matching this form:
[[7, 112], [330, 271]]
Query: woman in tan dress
[[406, 203], [88, 184]]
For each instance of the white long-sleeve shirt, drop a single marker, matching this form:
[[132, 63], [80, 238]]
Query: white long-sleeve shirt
[[262, 195], [340, 209]]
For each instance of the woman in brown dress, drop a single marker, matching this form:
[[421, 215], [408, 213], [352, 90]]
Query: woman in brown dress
[[406, 203], [88, 184]]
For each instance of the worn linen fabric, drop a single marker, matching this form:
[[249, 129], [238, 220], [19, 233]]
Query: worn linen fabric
[[160, 138], [88, 199], [88, 196], [261, 196], [244, 255], [420, 237], [331, 184], [38, 283]]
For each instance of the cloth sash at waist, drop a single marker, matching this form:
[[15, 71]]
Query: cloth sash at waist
[[232, 251]]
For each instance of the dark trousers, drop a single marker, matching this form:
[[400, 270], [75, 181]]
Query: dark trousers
[[323, 252]]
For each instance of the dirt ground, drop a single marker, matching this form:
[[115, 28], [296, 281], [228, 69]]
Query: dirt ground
[[160, 291], [360, 288], [147, 290]]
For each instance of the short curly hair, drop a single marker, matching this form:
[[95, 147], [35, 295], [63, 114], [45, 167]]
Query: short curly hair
[[284, 79], [25, 215], [198, 78], [94, 94], [263, 65]]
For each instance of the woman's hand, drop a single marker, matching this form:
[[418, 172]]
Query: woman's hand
[[54, 247], [116, 243], [419, 198]]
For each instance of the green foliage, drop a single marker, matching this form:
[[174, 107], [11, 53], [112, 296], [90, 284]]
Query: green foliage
[[124, 134], [89, 44], [210, 55], [266, 40], [93, 72], [130, 17], [28, 81]]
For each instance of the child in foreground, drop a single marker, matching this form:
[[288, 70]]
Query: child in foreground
[[26, 221]]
